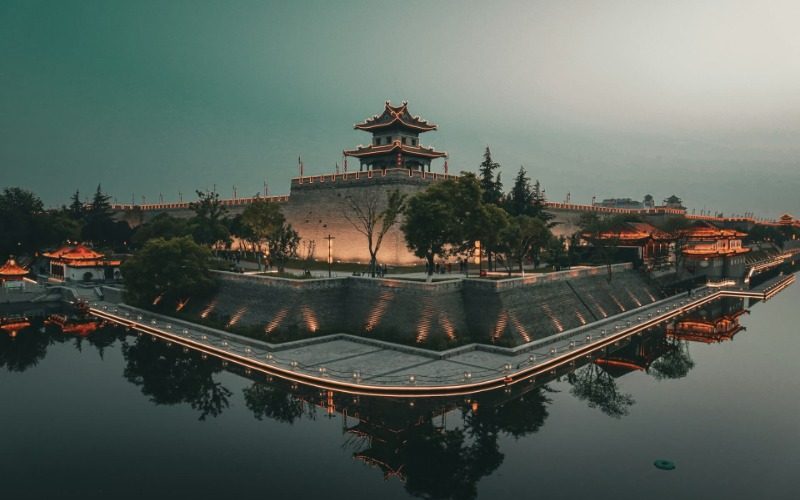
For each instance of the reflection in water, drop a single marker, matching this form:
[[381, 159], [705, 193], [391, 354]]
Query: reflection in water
[[169, 376], [438, 447]]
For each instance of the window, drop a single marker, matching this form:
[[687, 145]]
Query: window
[[413, 142]]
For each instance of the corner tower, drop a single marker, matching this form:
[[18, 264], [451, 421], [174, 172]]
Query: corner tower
[[395, 141]]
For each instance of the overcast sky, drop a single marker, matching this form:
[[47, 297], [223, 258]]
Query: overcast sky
[[595, 98]]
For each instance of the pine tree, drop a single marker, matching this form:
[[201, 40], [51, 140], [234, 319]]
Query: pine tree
[[76, 207], [492, 187], [100, 204], [519, 199], [539, 203]]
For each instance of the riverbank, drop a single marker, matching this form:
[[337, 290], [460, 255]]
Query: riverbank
[[366, 366]]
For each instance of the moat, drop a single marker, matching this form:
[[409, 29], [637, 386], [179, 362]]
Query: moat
[[116, 414]]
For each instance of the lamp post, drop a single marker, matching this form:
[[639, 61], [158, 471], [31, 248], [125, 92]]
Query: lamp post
[[330, 252]]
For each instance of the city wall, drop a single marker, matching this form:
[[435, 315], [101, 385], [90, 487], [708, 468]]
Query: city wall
[[506, 312]]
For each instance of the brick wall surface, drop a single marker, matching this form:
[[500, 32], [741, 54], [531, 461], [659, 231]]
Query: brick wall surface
[[438, 314]]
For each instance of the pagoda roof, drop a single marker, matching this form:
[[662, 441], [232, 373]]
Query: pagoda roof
[[395, 147], [636, 231], [76, 252], [12, 269], [395, 116], [705, 229]]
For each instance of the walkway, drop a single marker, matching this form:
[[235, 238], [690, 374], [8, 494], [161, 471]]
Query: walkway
[[361, 365]]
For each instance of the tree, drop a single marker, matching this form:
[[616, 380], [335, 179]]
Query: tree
[[19, 211], [493, 222], [445, 216], [283, 244], [372, 214], [163, 226], [599, 389], [208, 224], [97, 219], [170, 377], [518, 201], [261, 220], [557, 254], [492, 186], [167, 271], [523, 239], [674, 364], [539, 204], [76, 208]]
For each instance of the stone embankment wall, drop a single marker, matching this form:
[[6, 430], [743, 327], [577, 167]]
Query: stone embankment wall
[[508, 312]]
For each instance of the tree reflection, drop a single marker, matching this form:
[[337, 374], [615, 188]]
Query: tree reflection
[[24, 351], [170, 377], [674, 364], [599, 389], [273, 402]]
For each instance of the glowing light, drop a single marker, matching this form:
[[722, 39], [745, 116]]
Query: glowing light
[[424, 324], [617, 302], [447, 326], [581, 317], [158, 299], [236, 316], [520, 327], [310, 319], [553, 318], [181, 305], [633, 298], [276, 320], [377, 312], [209, 308], [500, 326]]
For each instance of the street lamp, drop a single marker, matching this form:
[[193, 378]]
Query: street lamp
[[330, 252]]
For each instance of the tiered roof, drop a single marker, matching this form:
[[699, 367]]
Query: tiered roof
[[11, 270], [636, 232], [394, 147], [707, 230], [80, 256], [394, 116]]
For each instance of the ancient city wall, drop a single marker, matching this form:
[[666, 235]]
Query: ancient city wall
[[508, 312]]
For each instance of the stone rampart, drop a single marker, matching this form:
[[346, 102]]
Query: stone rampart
[[508, 312]]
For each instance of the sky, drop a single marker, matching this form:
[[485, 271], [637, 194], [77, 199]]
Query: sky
[[594, 98]]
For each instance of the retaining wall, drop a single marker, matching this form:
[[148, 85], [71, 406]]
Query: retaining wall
[[508, 312]]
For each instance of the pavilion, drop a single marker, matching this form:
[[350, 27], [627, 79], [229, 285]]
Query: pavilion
[[12, 275], [395, 141], [81, 263]]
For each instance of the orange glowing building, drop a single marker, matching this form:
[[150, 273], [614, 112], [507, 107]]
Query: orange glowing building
[[652, 245], [713, 251], [707, 330], [703, 240], [395, 141], [81, 263], [12, 275]]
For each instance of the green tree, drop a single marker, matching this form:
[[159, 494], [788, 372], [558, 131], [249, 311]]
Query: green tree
[[373, 214], [490, 184], [524, 238], [599, 389], [20, 210], [444, 218], [259, 221], [208, 224], [518, 201], [163, 226], [76, 208], [283, 244], [167, 270], [492, 224]]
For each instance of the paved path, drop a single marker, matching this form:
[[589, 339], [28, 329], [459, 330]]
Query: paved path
[[365, 366]]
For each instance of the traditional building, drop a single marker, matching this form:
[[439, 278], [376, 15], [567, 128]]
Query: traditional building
[[719, 324], [81, 263], [713, 251], [649, 245], [395, 141], [12, 275]]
